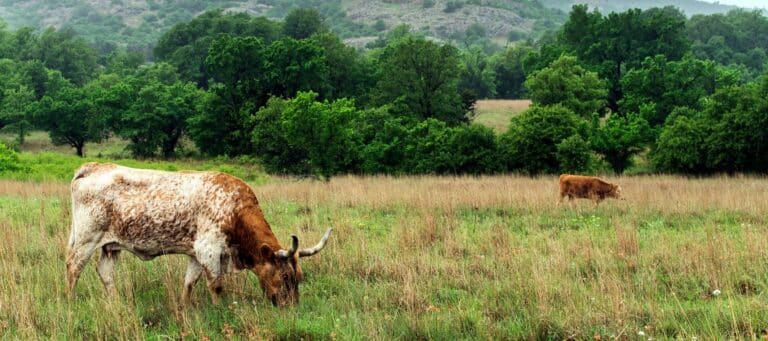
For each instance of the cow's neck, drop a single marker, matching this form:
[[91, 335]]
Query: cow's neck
[[255, 232]]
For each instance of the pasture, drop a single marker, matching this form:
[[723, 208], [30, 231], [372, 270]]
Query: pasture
[[427, 257], [496, 113]]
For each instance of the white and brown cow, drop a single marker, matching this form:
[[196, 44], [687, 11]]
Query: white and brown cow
[[213, 218]]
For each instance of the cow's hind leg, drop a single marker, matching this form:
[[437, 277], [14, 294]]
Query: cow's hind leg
[[106, 269], [194, 270]]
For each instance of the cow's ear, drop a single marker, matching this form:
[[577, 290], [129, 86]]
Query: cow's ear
[[266, 252]]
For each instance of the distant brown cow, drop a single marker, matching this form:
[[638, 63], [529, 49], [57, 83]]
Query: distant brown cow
[[588, 187]]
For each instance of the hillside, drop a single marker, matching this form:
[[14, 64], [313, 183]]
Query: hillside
[[689, 7], [137, 24]]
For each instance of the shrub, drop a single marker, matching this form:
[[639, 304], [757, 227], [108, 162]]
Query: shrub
[[574, 155], [530, 144], [9, 159]]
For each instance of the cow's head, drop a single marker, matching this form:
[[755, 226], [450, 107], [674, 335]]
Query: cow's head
[[280, 274], [616, 192]]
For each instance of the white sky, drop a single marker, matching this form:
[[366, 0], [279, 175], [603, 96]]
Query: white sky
[[744, 3]]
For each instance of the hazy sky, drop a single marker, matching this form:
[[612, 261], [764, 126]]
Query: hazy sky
[[744, 3]]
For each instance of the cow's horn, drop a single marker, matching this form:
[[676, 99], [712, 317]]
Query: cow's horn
[[294, 247], [315, 249]]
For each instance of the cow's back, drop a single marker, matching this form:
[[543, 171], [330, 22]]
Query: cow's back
[[152, 209]]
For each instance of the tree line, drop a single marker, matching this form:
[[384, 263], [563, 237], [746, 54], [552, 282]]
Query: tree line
[[606, 90]]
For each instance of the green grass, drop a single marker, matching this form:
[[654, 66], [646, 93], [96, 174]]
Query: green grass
[[427, 258], [39, 160]]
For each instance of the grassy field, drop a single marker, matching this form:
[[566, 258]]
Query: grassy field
[[496, 113], [427, 257]]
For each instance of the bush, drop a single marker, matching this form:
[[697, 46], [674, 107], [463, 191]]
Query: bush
[[574, 155], [475, 150], [530, 144], [453, 6], [9, 159], [681, 147]]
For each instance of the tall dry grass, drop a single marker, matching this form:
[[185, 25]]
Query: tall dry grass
[[429, 257]]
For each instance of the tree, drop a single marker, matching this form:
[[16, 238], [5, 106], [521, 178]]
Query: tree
[[661, 85], [296, 65], [383, 138], [420, 78], [323, 130], [574, 155], [738, 142], [621, 41], [567, 83], [737, 37], [70, 119], [186, 45], [64, 51], [681, 146], [530, 144], [620, 138], [270, 143], [349, 74], [477, 75], [301, 23], [157, 116], [303, 135], [509, 71], [17, 105]]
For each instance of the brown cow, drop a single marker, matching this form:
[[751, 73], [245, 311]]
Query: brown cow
[[213, 218], [589, 187]]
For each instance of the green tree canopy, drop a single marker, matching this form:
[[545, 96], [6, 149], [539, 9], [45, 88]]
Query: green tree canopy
[[567, 83], [530, 144], [421, 78], [662, 85], [186, 45], [301, 23]]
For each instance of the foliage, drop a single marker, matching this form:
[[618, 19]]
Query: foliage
[[737, 37], [729, 135], [477, 74], [420, 77], [186, 44], [681, 146], [566, 83], [510, 72], [530, 144], [157, 115], [621, 41], [319, 131], [661, 86], [574, 155], [9, 159], [69, 117], [620, 138], [301, 23]]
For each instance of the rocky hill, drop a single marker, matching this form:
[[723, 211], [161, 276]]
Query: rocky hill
[[136, 24], [689, 7]]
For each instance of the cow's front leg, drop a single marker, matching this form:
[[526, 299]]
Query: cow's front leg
[[106, 269], [194, 270], [78, 254], [208, 251]]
